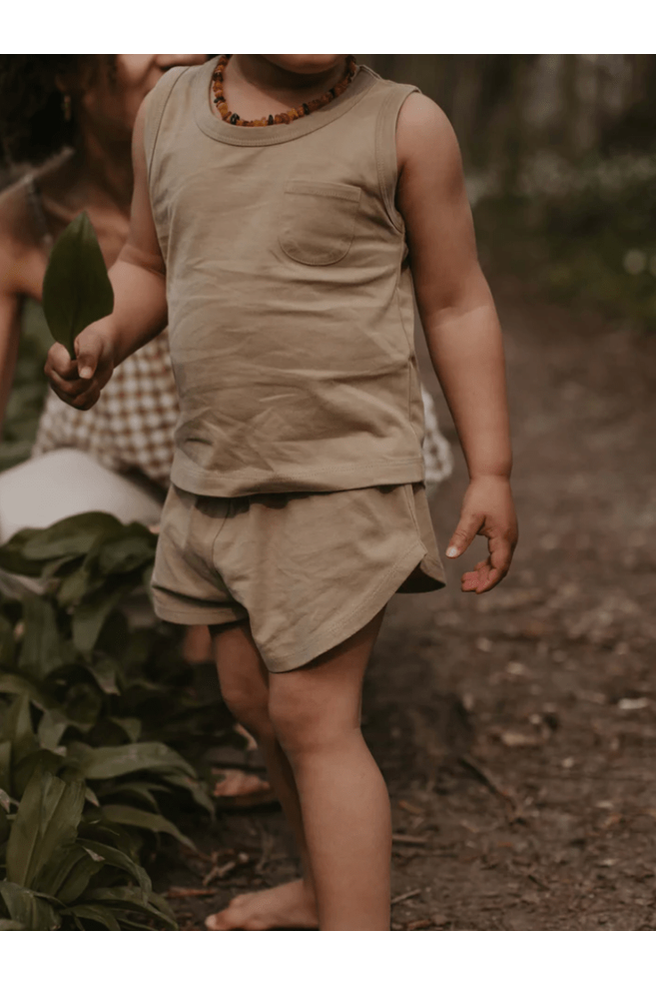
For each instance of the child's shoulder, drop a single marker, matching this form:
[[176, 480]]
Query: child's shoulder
[[424, 129]]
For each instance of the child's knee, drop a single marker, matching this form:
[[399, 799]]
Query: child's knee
[[249, 706], [302, 731]]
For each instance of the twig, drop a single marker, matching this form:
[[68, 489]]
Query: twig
[[405, 896], [491, 784], [410, 839], [182, 892]]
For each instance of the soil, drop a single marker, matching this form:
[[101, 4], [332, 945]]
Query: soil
[[516, 730]]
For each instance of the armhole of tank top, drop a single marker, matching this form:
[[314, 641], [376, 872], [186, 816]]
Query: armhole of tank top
[[157, 102], [386, 155]]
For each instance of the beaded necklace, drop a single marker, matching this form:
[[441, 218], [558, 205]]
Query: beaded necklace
[[292, 114]]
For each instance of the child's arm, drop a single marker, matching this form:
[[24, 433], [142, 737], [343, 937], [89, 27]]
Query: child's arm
[[461, 327], [140, 311]]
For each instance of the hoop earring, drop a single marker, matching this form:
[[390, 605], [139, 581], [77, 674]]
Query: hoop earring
[[67, 108]]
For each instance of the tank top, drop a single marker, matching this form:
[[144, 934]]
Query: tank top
[[290, 299]]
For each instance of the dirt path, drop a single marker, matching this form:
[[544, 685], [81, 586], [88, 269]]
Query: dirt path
[[516, 730]]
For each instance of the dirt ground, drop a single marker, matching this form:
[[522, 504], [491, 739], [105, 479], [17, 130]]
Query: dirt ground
[[516, 730]]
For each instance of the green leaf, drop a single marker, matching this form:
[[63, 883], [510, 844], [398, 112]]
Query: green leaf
[[12, 925], [90, 615], [118, 859], [131, 727], [7, 643], [47, 820], [41, 650], [67, 873], [5, 764], [140, 790], [124, 814], [17, 728], [134, 548], [27, 908], [23, 771], [104, 671], [15, 684], [110, 761], [73, 536], [76, 288], [96, 913], [12, 558], [51, 728], [193, 787], [132, 898]]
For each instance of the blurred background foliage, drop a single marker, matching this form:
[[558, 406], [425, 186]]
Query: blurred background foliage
[[559, 158]]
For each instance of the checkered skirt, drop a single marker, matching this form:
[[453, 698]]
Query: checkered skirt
[[131, 426]]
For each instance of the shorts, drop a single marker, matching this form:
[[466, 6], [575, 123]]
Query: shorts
[[307, 570]]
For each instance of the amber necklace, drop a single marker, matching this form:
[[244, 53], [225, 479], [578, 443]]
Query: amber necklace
[[291, 114]]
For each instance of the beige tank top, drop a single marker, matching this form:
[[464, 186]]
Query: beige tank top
[[290, 299]]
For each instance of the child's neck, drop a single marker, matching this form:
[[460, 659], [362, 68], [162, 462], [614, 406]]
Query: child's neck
[[255, 87]]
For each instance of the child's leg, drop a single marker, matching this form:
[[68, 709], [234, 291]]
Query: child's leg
[[244, 685], [346, 814], [314, 713]]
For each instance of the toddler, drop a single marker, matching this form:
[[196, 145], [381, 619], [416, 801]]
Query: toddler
[[285, 209]]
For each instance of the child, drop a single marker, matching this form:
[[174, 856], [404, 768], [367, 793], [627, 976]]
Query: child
[[284, 207]]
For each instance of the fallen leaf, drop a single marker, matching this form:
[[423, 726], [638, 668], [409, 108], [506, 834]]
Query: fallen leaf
[[515, 739], [419, 925], [409, 839], [405, 896], [411, 808], [632, 704], [182, 892]]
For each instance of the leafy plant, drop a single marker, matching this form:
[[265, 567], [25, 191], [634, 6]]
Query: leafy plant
[[91, 701], [57, 880], [76, 288]]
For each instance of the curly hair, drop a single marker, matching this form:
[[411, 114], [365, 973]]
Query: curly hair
[[32, 122]]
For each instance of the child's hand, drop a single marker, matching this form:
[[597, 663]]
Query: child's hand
[[488, 510], [78, 382]]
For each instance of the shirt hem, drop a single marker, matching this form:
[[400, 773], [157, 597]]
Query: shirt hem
[[328, 479]]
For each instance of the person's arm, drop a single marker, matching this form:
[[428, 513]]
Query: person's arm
[[461, 327], [140, 311], [9, 339]]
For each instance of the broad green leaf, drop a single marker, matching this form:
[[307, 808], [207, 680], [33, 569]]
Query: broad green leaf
[[133, 549], [90, 615], [44, 759], [41, 650], [96, 913], [193, 787], [12, 557], [7, 643], [67, 872], [17, 728], [131, 727], [76, 288], [27, 908], [124, 814], [138, 789], [5, 764], [51, 728], [118, 859], [132, 898], [104, 672], [47, 820], [110, 761], [12, 925], [15, 684], [72, 536]]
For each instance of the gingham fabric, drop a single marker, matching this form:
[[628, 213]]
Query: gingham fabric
[[438, 457], [131, 426]]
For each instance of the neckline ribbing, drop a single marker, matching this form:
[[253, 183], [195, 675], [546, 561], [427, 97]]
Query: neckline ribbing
[[219, 129]]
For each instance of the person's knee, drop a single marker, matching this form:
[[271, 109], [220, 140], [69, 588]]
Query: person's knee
[[304, 731], [249, 706]]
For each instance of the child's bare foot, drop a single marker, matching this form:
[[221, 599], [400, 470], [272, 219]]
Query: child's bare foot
[[288, 907]]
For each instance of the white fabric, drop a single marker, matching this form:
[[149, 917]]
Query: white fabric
[[61, 483]]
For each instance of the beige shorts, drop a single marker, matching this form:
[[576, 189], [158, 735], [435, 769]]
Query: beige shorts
[[307, 570]]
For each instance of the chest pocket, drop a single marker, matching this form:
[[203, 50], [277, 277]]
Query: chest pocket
[[318, 220]]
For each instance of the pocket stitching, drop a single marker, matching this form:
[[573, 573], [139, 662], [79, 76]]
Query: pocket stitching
[[327, 190]]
